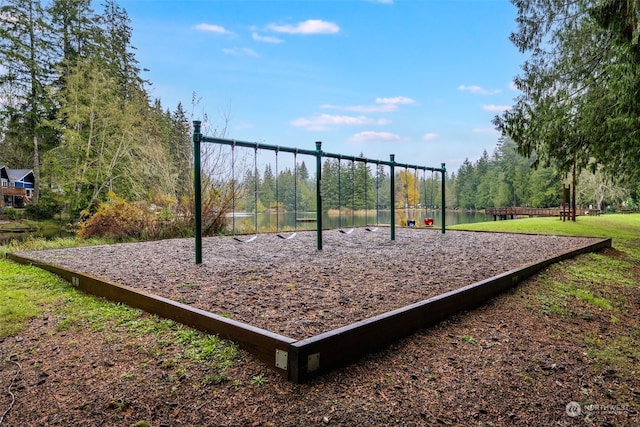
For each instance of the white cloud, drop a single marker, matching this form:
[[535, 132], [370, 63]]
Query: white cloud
[[487, 130], [430, 136], [266, 39], [478, 90], [311, 26], [211, 28], [395, 101], [385, 108], [496, 108], [240, 51], [325, 121], [383, 105], [371, 136]]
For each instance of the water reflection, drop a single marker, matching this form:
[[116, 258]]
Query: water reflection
[[287, 221]]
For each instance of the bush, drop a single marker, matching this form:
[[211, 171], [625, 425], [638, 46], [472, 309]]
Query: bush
[[46, 207], [13, 214], [116, 219], [215, 206]]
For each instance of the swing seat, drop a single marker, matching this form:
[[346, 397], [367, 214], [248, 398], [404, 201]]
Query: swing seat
[[251, 239], [347, 231], [290, 236], [371, 229], [428, 222]]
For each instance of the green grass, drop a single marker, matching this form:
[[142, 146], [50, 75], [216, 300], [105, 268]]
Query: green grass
[[600, 289], [616, 226], [27, 292], [37, 244]]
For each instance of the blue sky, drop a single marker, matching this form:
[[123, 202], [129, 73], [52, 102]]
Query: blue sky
[[419, 79]]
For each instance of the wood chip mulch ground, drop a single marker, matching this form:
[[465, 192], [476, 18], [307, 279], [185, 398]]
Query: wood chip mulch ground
[[291, 288]]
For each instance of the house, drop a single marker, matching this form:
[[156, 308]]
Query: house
[[4, 176], [17, 186]]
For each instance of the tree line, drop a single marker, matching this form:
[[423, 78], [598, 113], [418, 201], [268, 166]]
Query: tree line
[[506, 178], [75, 107], [345, 185]]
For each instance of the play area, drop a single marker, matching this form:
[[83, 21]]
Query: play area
[[307, 301], [303, 311]]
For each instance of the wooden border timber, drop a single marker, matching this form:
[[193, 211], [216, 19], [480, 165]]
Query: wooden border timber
[[261, 343], [302, 360], [321, 353]]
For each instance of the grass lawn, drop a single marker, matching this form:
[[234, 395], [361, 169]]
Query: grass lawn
[[27, 292], [617, 226]]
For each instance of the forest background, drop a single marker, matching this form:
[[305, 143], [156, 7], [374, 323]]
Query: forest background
[[75, 107]]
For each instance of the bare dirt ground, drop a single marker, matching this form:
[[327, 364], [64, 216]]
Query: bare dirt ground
[[509, 362]]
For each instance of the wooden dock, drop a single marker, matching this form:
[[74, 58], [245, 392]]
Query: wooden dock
[[512, 212]]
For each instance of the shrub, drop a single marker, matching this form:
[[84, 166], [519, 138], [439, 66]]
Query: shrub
[[13, 214], [215, 206], [117, 219], [46, 207]]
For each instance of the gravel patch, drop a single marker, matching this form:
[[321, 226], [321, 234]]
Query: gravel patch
[[289, 287]]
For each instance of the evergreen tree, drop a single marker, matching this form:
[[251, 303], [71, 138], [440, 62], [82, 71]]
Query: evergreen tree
[[181, 150], [329, 184], [27, 54], [117, 51], [268, 189], [580, 88], [466, 185], [76, 28]]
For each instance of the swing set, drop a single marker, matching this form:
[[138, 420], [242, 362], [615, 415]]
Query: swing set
[[295, 198], [199, 138], [233, 194], [353, 200]]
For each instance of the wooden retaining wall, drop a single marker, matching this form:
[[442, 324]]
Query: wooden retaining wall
[[304, 359]]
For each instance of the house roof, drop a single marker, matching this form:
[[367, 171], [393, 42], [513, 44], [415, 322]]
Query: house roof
[[17, 175]]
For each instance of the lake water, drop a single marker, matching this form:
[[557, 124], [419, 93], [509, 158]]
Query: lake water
[[245, 222], [50, 232], [287, 221]]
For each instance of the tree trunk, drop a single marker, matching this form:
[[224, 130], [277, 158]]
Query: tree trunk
[[573, 192], [36, 170]]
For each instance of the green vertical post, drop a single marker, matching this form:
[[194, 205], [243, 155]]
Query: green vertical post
[[319, 193], [197, 190], [392, 227], [443, 198]]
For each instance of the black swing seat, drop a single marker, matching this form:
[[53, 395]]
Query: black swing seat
[[290, 236], [347, 231], [250, 239], [371, 228]]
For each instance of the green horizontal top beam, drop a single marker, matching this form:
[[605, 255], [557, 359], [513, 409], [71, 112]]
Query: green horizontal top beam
[[260, 146]]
